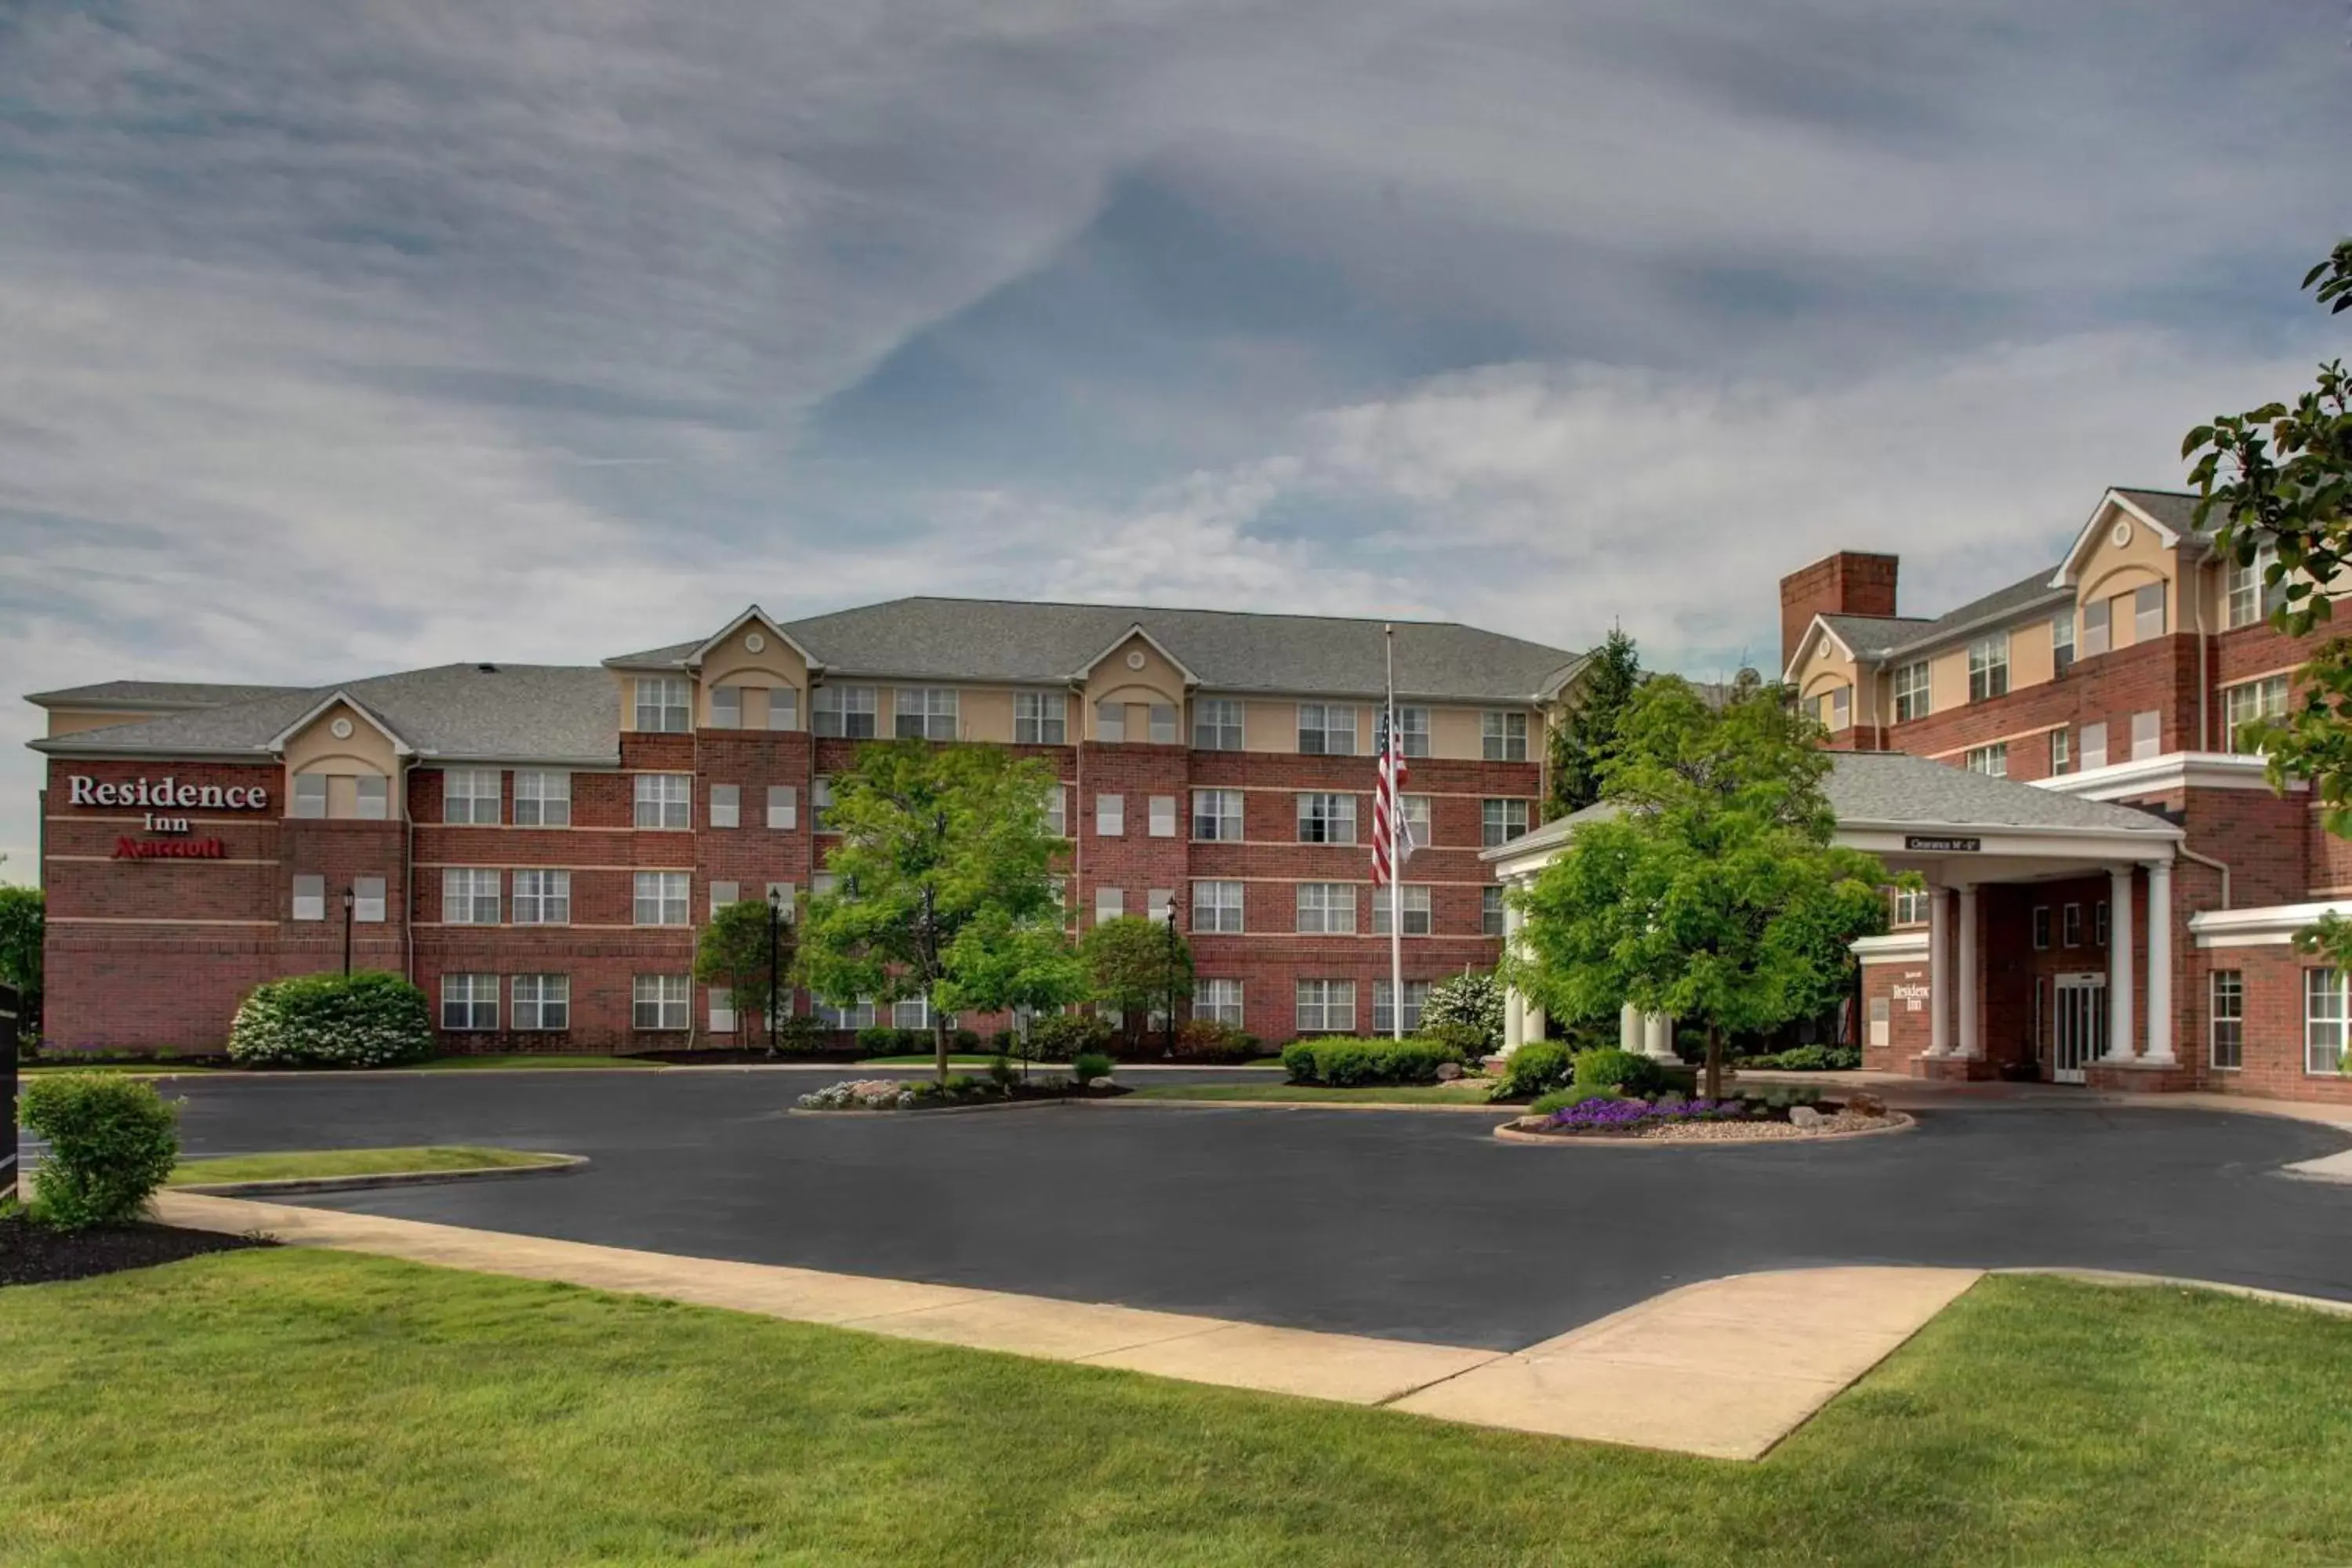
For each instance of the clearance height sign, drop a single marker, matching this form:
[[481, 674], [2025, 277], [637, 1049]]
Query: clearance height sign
[[170, 794]]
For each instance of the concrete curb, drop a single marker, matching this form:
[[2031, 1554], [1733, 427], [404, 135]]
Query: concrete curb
[[554, 1164], [1309, 1105], [2122, 1278], [938, 1109], [1898, 1121]]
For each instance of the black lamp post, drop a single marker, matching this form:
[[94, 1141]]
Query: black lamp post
[[1168, 1036], [347, 934], [775, 959]]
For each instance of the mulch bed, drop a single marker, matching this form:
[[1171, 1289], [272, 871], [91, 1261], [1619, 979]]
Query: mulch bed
[[35, 1254]]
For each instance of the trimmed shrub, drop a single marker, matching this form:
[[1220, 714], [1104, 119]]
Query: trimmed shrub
[[1207, 1040], [1622, 1071], [1003, 1073], [964, 1042], [371, 1019], [800, 1032], [1059, 1037], [1467, 1041], [112, 1141], [1810, 1058], [1537, 1067], [1088, 1066], [1345, 1063], [1561, 1098]]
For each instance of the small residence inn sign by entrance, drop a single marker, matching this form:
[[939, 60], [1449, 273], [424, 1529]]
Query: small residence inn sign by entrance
[[1936, 843], [170, 794]]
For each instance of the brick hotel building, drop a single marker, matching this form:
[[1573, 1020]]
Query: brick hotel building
[[2113, 889], [536, 845]]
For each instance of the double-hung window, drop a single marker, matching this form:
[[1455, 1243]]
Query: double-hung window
[[1327, 818], [1160, 816], [2040, 923], [844, 712], [2323, 1020], [2147, 613], [1327, 729], [660, 1000], [1327, 909], [1490, 911], [1989, 668], [1416, 910], [2148, 734], [2094, 745], [1217, 724], [2250, 702], [1217, 815], [1325, 1006], [1503, 737], [660, 899], [1910, 906], [1040, 718], [543, 897], [664, 800], [664, 705], [470, 795], [2061, 751], [1416, 820], [1500, 821], [469, 896], [784, 808], [1991, 760], [367, 901], [1416, 994], [2062, 641], [1218, 1002], [309, 896], [542, 799], [542, 1001], [821, 802], [2070, 925], [1110, 816], [1057, 810], [1217, 907], [1412, 731], [469, 1002], [2227, 1026], [1911, 691], [2248, 598], [725, 804], [925, 713]]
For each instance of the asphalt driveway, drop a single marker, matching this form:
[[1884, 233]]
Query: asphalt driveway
[[1404, 1224]]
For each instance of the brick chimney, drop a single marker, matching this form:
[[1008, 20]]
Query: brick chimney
[[1851, 583]]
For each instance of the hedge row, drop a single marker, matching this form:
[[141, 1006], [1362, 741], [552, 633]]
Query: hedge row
[[1342, 1063]]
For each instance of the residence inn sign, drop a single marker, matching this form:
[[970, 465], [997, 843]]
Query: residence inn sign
[[168, 793]]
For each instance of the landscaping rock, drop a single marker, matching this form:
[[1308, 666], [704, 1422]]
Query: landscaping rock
[[1448, 1072], [1104, 1082], [1862, 1102], [1805, 1116]]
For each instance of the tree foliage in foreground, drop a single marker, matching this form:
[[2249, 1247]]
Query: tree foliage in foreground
[[1580, 743], [1714, 892], [734, 953]]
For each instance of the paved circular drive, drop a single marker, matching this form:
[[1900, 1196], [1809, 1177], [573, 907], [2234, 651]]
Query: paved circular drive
[[1409, 1226]]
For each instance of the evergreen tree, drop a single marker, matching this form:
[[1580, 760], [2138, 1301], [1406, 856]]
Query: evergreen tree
[[1580, 743]]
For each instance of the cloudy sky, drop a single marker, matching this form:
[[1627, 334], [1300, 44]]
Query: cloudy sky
[[338, 338]]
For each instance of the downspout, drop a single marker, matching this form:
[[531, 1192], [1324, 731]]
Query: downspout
[[407, 874], [2186, 853], [1078, 808], [2204, 693]]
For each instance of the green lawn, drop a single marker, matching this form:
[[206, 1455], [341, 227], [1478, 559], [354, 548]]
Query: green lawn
[[133, 1069], [1318, 1094], [927, 1060], [309, 1406], [531, 1060], [303, 1162]]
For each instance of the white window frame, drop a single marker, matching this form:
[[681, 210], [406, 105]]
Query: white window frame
[[1503, 736], [2247, 702], [2099, 629], [1490, 911], [1988, 667], [367, 901], [1990, 759], [1314, 1003], [844, 712], [1041, 719], [1216, 724], [309, 901], [784, 708], [726, 806], [1218, 1000], [2144, 611], [1160, 817], [547, 795], [2246, 599], [925, 713], [2062, 751], [858, 1014], [1417, 905], [372, 798], [469, 1003], [668, 700], [721, 894], [821, 802], [2062, 641], [1416, 999], [1913, 691], [1159, 903], [1412, 731], [1212, 822], [1321, 721], [2324, 1010], [1500, 821], [1057, 810], [542, 897], [783, 808], [1162, 720], [542, 1003], [467, 793], [1417, 818], [1110, 816], [1326, 818], [2148, 734], [1218, 906], [1910, 906], [722, 1010], [469, 896], [662, 801], [661, 1004], [1111, 904], [726, 707], [2225, 1027], [661, 899], [2094, 745], [310, 799], [1326, 909]]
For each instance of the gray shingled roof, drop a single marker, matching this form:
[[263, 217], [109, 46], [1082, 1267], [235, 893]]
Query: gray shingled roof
[[157, 694], [1871, 635], [2176, 509], [1992, 608], [1022, 643], [520, 711]]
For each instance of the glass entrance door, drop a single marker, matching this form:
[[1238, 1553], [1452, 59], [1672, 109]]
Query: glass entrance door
[[2078, 1024]]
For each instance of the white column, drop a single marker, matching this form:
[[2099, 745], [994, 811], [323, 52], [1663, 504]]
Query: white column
[[1515, 1006], [2119, 964], [1629, 1028], [1970, 1042], [2160, 962], [1658, 1036], [1534, 1024], [1940, 972]]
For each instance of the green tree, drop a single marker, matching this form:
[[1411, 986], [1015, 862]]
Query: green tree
[[21, 928], [1580, 742], [1713, 891], [999, 962], [734, 953], [933, 841], [1472, 999], [1138, 965], [2274, 486]]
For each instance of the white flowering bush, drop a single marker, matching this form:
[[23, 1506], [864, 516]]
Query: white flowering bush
[[371, 1019], [860, 1094], [1471, 1000]]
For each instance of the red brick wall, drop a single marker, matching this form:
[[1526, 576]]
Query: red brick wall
[[2274, 1051], [1851, 583]]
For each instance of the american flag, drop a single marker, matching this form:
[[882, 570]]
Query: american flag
[[1387, 809]]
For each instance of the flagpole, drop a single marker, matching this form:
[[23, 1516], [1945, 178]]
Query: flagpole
[[1395, 748]]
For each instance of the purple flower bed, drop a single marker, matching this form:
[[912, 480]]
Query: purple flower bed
[[1604, 1115]]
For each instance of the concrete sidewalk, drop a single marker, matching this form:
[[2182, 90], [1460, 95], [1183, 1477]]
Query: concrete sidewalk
[[1748, 1358]]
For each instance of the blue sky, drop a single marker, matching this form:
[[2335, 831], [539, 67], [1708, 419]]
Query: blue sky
[[337, 338]]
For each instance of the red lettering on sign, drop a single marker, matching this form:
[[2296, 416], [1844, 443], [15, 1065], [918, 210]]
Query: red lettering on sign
[[170, 849]]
